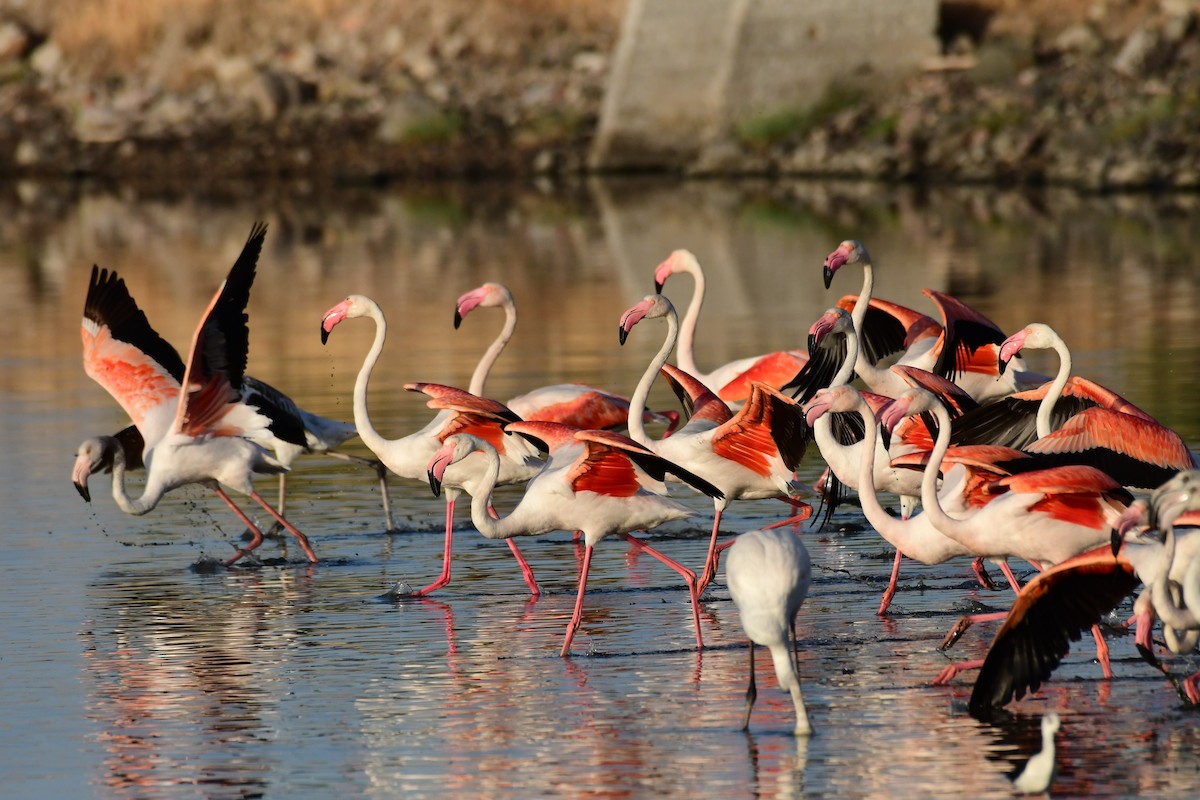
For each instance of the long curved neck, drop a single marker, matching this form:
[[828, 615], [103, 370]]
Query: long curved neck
[[687, 330], [484, 367], [1165, 605], [845, 372], [481, 501], [1056, 387], [856, 360], [866, 368], [151, 493], [892, 529], [929, 493], [362, 419], [637, 403]]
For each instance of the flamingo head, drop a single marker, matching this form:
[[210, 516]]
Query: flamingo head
[[1174, 498], [1035, 336], [454, 449], [912, 402], [355, 305], [651, 306], [489, 295], [1130, 519], [834, 320], [848, 252], [678, 261], [94, 455], [1050, 723], [832, 399]]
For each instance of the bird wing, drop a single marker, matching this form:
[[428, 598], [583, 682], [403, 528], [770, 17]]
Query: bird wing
[[1134, 451], [773, 369], [572, 404], [217, 357], [647, 460], [442, 397], [546, 436], [698, 400], [971, 341], [747, 438], [823, 362], [1050, 612], [889, 328], [125, 355], [1072, 493], [769, 410]]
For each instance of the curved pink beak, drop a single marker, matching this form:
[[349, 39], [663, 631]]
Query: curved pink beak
[[332, 317], [662, 272], [437, 467], [833, 262], [632, 317], [1010, 348], [468, 303]]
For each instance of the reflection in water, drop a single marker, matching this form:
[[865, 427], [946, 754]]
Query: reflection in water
[[280, 681]]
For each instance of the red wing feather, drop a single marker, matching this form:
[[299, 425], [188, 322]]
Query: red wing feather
[[773, 369]]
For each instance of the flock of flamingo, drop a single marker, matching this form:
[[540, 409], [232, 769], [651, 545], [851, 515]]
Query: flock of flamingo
[[988, 460]]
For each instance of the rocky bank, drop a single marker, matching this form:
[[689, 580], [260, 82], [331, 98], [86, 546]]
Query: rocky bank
[[1098, 95]]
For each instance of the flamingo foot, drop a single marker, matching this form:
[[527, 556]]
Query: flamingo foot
[[948, 674], [1191, 689], [979, 566]]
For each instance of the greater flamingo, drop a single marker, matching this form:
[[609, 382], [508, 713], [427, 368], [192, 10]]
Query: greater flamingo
[[597, 482], [457, 411], [963, 348], [569, 403], [750, 455], [730, 382], [769, 573], [1057, 605], [1043, 516], [1038, 773], [1099, 427], [321, 435], [195, 427]]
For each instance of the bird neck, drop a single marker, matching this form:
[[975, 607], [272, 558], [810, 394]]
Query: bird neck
[[1046, 409], [785, 673], [687, 330], [1165, 605], [637, 403], [362, 418], [888, 526], [484, 367], [481, 500], [152, 492], [930, 501], [845, 372]]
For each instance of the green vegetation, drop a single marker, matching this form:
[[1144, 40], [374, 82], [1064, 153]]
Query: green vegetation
[[764, 130], [435, 128]]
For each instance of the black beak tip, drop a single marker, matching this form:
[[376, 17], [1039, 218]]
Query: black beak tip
[[83, 491], [1115, 542], [827, 273], [457, 319], [886, 434], [435, 485], [324, 334], [1001, 365], [658, 287], [622, 334]]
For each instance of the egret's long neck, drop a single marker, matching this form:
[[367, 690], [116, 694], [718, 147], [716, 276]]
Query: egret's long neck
[[637, 403], [484, 367], [687, 330], [1046, 409], [1164, 604], [151, 493], [362, 419]]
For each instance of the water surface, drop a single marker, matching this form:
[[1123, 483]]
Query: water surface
[[129, 674]]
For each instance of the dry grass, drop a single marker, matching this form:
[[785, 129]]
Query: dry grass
[[107, 37]]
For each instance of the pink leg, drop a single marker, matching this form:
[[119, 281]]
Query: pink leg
[[300, 537], [947, 675], [890, 591], [803, 512], [526, 571], [258, 534], [1013, 583], [1190, 688], [710, 560], [1102, 652], [444, 578], [688, 576], [577, 617]]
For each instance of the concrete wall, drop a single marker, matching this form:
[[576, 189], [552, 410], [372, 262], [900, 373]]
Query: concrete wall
[[685, 72]]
